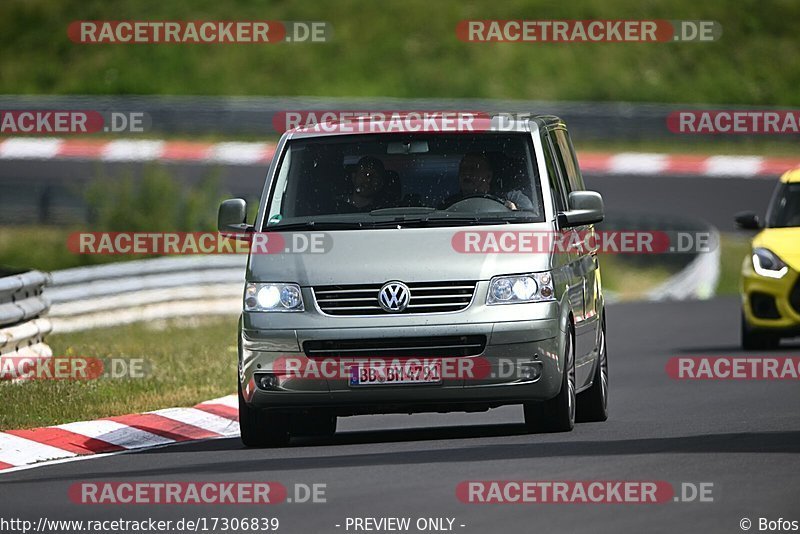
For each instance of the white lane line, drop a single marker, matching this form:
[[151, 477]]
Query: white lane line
[[15, 450], [201, 419], [116, 434]]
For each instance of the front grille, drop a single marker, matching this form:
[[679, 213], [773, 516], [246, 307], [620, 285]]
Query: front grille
[[794, 296], [426, 297], [397, 347]]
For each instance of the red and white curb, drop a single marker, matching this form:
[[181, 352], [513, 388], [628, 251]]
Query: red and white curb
[[212, 419], [231, 153], [241, 153], [639, 163]]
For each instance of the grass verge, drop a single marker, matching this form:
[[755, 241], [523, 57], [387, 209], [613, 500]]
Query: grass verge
[[187, 364], [630, 282], [735, 247]]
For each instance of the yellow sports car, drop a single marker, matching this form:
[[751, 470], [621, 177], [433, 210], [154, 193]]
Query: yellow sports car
[[771, 275]]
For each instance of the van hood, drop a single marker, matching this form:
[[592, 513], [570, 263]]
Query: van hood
[[376, 256]]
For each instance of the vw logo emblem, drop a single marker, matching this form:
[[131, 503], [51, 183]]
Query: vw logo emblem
[[394, 297]]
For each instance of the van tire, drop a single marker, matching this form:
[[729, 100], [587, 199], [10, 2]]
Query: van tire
[[558, 413], [260, 428], [592, 404]]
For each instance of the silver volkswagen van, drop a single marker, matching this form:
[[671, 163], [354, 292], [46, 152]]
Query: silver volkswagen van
[[450, 269]]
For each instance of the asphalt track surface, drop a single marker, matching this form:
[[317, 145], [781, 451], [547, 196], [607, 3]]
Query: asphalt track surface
[[742, 436], [712, 199]]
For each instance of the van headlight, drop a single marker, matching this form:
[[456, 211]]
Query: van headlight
[[534, 287], [767, 263], [266, 297]]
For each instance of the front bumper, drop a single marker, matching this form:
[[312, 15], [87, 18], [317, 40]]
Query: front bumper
[[516, 336], [785, 317]]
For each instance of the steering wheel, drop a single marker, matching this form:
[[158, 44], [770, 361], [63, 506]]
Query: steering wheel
[[478, 195]]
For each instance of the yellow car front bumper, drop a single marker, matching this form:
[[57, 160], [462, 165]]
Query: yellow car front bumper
[[770, 303]]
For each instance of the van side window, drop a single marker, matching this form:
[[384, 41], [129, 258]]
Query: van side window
[[567, 155], [555, 172]]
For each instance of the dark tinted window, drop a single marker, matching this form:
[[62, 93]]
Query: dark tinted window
[[785, 207], [554, 174], [350, 178], [567, 156]]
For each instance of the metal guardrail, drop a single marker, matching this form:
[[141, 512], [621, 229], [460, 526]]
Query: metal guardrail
[[22, 329], [120, 293], [696, 272]]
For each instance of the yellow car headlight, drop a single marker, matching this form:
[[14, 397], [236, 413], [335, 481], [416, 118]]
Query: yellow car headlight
[[767, 263]]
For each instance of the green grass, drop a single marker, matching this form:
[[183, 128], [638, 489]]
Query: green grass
[[409, 49], [156, 202], [735, 247], [629, 281], [43, 248], [186, 364]]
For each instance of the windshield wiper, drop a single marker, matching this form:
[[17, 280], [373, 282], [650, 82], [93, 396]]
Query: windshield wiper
[[419, 210], [453, 220], [482, 219], [317, 225], [400, 222]]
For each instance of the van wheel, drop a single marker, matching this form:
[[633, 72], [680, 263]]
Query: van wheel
[[592, 404], [558, 413], [753, 340], [260, 428]]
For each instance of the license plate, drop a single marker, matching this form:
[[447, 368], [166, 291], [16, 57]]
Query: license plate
[[395, 374]]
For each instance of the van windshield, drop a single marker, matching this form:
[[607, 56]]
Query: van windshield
[[362, 181]]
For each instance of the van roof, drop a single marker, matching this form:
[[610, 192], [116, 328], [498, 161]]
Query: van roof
[[440, 121]]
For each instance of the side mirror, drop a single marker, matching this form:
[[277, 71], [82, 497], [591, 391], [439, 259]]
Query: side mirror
[[747, 220], [232, 216], [585, 207]]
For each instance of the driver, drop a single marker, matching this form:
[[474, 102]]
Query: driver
[[475, 177], [369, 182]]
